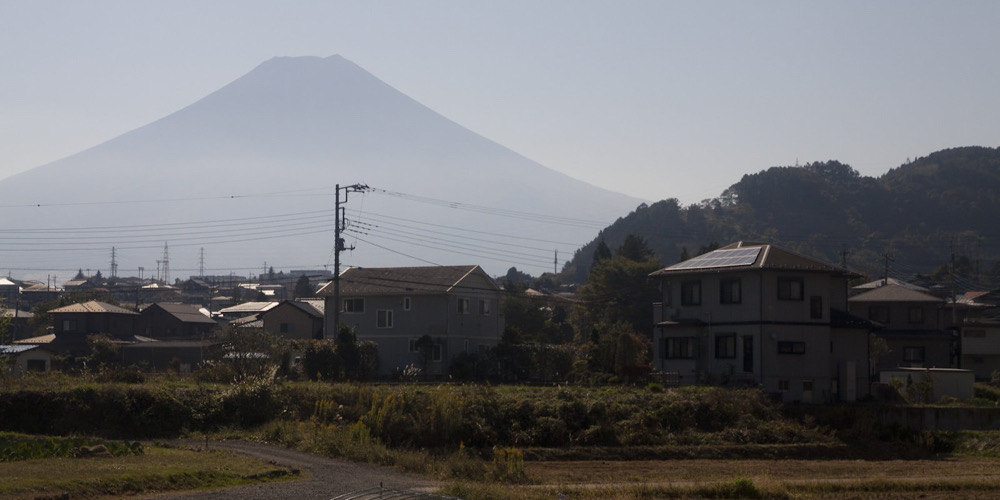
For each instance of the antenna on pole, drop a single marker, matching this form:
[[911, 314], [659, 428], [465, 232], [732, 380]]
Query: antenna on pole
[[339, 246]]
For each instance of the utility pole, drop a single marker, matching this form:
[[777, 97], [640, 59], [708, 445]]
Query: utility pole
[[201, 264], [339, 246], [888, 258], [555, 263]]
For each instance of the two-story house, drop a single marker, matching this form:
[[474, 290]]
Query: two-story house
[[913, 326], [174, 321], [295, 319], [758, 314], [73, 323], [456, 307]]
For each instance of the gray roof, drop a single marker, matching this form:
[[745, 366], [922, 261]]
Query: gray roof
[[768, 257], [248, 307], [186, 313], [407, 280]]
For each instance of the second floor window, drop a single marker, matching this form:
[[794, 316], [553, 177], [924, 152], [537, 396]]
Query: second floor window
[[816, 307], [913, 354], [463, 306], [484, 307], [879, 314], [916, 315], [691, 293], [729, 291], [383, 318], [790, 288], [354, 305]]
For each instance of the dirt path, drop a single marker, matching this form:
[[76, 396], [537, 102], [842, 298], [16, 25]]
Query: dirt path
[[325, 477]]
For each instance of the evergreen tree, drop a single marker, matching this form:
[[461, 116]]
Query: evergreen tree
[[303, 288], [601, 252]]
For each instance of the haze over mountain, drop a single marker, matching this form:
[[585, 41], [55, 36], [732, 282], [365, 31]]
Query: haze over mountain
[[225, 173]]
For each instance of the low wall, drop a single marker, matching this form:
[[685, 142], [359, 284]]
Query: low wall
[[942, 419]]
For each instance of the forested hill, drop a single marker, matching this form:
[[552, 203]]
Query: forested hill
[[917, 214]]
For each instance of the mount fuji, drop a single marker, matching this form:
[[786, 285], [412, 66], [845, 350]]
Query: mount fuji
[[245, 178]]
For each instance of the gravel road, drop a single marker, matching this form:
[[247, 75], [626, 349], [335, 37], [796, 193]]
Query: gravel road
[[326, 477]]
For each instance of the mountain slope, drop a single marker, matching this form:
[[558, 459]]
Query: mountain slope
[[277, 141]]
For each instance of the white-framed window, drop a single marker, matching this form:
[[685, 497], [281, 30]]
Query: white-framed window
[[691, 293], [484, 307], [354, 306], [436, 353], [406, 303], [463, 306], [383, 318]]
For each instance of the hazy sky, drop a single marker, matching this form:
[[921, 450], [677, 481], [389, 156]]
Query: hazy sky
[[654, 99]]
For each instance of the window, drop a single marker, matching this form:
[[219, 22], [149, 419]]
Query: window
[[816, 307], [383, 318], [916, 315], [878, 314], [406, 303], [783, 385], [913, 354], [436, 353], [678, 348], [283, 328], [691, 293], [354, 305], [789, 288], [791, 347], [463, 306], [68, 325], [729, 291], [484, 307], [725, 346], [807, 385], [413, 345]]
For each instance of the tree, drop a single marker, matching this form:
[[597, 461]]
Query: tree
[[601, 252], [303, 288], [635, 248], [619, 290], [320, 361], [349, 352], [6, 336], [425, 345]]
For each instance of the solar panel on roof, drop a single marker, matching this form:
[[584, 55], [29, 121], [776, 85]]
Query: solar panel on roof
[[720, 258]]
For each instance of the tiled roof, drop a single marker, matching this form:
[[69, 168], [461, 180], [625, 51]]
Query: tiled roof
[[894, 293], [185, 312], [92, 307], [20, 314], [405, 280], [770, 257], [305, 307]]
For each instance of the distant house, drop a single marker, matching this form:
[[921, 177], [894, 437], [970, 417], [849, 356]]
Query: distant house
[[33, 358], [18, 326], [456, 307], [295, 319], [912, 326], [174, 321], [73, 323], [752, 313], [169, 355], [979, 345], [9, 292]]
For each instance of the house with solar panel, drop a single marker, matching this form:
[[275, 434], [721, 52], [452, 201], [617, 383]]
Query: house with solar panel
[[456, 307], [757, 314]]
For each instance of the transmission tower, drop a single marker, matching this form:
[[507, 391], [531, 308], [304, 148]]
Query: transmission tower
[[166, 264]]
